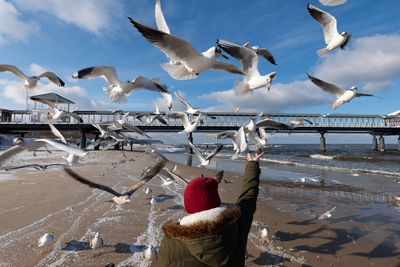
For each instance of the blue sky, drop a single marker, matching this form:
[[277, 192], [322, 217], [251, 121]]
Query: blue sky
[[67, 35]]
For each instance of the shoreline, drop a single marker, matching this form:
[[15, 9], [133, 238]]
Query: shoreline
[[36, 203]]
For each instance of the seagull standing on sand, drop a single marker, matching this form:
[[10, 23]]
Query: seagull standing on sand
[[120, 198], [117, 89], [185, 61], [31, 82], [153, 200], [343, 96], [148, 191], [248, 58], [59, 114], [150, 253], [97, 241], [204, 161], [46, 240], [331, 35]]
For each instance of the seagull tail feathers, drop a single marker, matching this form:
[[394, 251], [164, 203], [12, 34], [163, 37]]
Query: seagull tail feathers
[[241, 89], [114, 97], [178, 71], [322, 52], [334, 105]]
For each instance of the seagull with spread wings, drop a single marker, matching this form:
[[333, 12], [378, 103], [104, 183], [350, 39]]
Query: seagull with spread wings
[[120, 198], [185, 61], [248, 58], [189, 108], [118, 89], [343, 96], [331, 35], [238, 139], [21, 144], [204, 161], [189, 127], [31, 82]]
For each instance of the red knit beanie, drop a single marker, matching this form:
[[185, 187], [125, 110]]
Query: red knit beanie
[[201, 194]]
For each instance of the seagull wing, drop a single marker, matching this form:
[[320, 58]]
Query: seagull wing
[[141, 82], [64, 147], [327, 21], [247, 57], [90, 183], [13, 69], [135, 129], [56, 132], [181, 115], [266, 54], [168, 99], [147, 177], [98, 127], [197, 152], [268, 123], [10, 153], [187, 105], [174, 47], [332, 2], [49, 103], [226, 134], [107, 72], [53, 78], [327, 87], [75, 116], [214, 152], [160, 119], [363, 94], [220, 65], [160, 20]]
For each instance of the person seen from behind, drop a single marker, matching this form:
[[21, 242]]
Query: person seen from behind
[[211, 234]]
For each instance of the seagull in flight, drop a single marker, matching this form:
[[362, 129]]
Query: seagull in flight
[[343, 96], [204, 161], [21, 144], [188, 126], [329, 24], [118, 89], [121, 124], [189, 108], [268, 123], [120, 198], [185, 61], [59, 114], [238, 139], [31, 82], [248, 58], [332, 2]]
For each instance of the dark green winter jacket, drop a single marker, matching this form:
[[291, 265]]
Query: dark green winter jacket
[[217, 242]]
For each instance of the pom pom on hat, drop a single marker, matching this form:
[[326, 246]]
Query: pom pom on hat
[[201, 194]]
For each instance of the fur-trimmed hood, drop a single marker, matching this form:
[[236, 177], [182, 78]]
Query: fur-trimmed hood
[[205, 223]]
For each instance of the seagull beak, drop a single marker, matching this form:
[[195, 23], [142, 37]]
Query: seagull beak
[[224, 56], [269, 86]]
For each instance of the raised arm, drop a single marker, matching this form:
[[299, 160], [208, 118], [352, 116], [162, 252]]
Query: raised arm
[[248, 196]]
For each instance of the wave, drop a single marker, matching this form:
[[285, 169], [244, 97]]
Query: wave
[[343, 169], [319, 156]]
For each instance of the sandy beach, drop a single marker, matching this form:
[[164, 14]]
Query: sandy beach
[[33, 202]]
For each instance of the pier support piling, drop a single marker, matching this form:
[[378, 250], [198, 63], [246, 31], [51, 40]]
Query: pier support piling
[[381, 144], [116, 146], [96, 147], [398, 143], [374, 143], [323, 143], [83, 140], [190, 138]]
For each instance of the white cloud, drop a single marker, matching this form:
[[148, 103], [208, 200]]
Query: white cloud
[[374, 60], [372, 64], [11, 27], [90, 15], [15, 91], [288, 96]]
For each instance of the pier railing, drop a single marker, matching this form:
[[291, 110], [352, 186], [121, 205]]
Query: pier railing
[[216, 121]]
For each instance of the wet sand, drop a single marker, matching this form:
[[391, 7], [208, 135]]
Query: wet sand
[[33, 202]]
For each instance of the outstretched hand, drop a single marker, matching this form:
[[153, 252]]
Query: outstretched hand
[[256, 158]]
